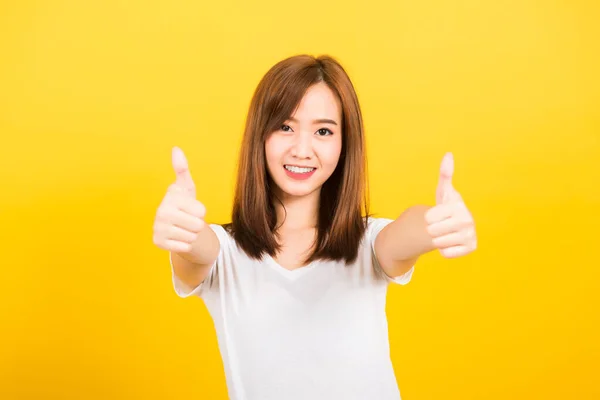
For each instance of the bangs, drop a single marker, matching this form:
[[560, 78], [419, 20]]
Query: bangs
[[286, 91]]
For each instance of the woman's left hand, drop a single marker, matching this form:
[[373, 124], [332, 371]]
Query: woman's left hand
[[450, 222]]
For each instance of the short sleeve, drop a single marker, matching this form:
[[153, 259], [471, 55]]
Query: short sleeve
[[183, 290], [375, 226]]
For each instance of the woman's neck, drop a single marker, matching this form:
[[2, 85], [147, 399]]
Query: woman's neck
[[300, 212]]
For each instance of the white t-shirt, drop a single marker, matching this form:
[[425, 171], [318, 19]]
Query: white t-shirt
[[315, 333]]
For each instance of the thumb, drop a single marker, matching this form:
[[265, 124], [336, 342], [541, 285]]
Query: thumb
[[182, 171], [445, 189]]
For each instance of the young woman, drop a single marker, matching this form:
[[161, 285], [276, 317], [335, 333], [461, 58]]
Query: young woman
[[296, 283]]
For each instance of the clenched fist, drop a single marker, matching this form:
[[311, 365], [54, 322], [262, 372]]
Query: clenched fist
[[180, 217]]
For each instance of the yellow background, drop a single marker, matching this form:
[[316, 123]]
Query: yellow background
[[93, 95]]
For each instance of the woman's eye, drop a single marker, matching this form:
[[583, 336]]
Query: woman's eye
[[324, 132], [286, 128]]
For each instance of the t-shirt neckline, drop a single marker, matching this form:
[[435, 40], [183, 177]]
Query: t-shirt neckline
[[289, 273]]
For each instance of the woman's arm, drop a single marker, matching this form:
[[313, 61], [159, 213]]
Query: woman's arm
[[403, 241], [448, 226], [180, 228], [193, 267]]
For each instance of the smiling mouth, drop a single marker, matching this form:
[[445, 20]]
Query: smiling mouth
[[299, 170]]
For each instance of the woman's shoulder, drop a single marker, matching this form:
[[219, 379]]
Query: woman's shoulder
[[226, 227], [373, 223], [223, 232]]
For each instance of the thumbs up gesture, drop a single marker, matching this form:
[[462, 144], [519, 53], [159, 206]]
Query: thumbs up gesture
[[449, 222], [180, 217]]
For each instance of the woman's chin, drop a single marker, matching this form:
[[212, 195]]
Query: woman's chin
[[298, 190]]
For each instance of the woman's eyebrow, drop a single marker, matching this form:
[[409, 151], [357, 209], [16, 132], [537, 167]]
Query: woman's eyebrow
[[318, 121]]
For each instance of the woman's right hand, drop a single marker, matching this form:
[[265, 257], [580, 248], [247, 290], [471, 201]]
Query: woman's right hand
[[180, 217]]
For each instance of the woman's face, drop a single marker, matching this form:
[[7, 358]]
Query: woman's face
[[304, 152]]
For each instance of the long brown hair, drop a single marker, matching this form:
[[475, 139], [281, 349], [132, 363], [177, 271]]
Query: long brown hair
[[343, 196]]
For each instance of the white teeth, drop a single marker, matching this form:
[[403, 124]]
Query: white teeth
[[298, 170]]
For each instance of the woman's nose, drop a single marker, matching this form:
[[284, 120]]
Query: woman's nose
[[302, 147]]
